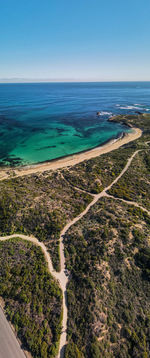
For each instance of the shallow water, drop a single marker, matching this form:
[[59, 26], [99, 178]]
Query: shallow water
[[44, 121]]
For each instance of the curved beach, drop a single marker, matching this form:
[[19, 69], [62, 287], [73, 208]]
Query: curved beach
[[72, 159]]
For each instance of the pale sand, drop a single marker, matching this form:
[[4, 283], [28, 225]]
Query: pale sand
[[73, 159]]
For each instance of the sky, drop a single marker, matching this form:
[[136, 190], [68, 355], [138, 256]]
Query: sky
[[74, 40]]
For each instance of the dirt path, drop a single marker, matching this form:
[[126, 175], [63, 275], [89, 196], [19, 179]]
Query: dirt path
[[128, 202], [61, 276], [96, 197]]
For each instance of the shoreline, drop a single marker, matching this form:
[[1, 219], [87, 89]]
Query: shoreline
[[72, 159], [32, 165]]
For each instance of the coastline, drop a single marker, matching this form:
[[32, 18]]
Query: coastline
[[72, 159]]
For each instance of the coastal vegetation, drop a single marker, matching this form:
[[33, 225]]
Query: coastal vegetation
[[108, 255], [39, 205], [33, 300], [135, 183], [95, 174]]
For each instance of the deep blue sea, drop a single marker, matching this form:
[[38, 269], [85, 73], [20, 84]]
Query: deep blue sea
[[44, 121]]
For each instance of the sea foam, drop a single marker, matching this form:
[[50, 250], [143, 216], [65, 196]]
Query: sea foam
[[136, 106], [103, 113]]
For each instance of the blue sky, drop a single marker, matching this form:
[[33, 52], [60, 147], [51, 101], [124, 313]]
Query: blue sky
[[95, 40]]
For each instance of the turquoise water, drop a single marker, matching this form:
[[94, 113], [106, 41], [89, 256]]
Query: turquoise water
[[40, 122]]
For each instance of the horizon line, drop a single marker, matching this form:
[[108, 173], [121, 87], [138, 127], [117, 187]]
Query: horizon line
[[28, 80]]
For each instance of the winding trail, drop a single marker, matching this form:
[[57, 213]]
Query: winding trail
[[62, 276]]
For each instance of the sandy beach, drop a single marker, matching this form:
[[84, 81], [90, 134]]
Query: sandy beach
[[72, 159]]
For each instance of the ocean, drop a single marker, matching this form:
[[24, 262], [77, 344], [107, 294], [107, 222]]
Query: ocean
[[45, 121]]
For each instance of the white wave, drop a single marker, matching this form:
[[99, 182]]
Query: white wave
[[131, 107], [103, 113], [136, 106]]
